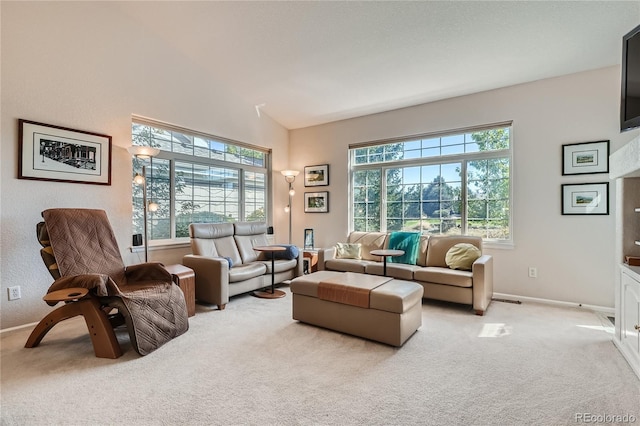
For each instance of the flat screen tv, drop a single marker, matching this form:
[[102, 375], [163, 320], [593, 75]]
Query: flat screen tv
[[630, 101]]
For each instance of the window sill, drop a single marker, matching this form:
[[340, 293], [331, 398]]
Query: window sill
[[164, 245], [499, 245]]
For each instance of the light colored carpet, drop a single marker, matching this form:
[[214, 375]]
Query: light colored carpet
[[251, 364]]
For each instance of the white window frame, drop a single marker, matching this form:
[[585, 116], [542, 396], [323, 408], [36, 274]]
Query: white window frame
[[462, 158], [174, 157]]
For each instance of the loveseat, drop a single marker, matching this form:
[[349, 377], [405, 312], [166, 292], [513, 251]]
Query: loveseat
[[226, 265], [471, 287]]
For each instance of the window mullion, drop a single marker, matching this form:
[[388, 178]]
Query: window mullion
[[172, 197], [463, 197]]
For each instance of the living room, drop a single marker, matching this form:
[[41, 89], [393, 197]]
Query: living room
[[93, 65]]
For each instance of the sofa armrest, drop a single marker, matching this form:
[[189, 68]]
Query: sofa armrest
[[212, 278], [299, 265], [482, 270], [324, 255]]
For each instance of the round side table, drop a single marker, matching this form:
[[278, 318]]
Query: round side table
[[273, 294]]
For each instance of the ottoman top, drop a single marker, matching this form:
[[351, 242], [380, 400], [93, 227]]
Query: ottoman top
[[390, 295]]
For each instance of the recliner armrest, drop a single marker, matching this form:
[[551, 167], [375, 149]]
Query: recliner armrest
[[147, 271], [95, 282], [482, 270]]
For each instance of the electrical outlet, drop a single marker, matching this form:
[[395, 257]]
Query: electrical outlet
[[533, 272], [14, 293]]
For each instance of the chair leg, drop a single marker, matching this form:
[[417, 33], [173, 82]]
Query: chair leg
[[105, 344], [221, 307]]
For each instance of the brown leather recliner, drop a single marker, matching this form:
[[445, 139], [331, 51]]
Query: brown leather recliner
[[82, 255]]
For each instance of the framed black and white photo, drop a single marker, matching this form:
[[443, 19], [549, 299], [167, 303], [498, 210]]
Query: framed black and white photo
[[585, 198], [585, 158], [316, 202], [316, 175], [61, 154]]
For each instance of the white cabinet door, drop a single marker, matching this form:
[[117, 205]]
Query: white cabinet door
[[630, 315]]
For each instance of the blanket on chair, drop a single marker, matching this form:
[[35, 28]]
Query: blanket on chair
[[87, 255]]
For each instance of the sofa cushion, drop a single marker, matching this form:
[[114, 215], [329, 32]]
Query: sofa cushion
[[347, 265], [461, 256], [246, 243], [407, 242], [246, 272], [280, 265], [348, 251], [400, 271], [369, 241], [226, 247], [446, 276], [440, 244], [422, 250], [204, 235]]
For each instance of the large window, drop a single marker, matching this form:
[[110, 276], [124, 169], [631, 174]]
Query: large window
[[456, 183], [197, 178]]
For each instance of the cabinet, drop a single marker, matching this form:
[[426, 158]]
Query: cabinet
[[627, 337]]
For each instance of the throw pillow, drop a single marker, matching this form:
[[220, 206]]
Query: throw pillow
[[461, 256], [290, 253], [348, 251], [407, 242], [228, 259]]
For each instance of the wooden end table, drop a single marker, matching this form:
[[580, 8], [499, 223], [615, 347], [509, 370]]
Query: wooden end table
[[185, 278], [385, 254], [312, 260], [273, 294]]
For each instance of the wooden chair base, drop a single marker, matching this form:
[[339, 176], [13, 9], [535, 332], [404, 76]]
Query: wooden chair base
[[105, 343]]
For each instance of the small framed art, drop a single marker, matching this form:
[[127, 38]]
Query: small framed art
[[316, 175], [308, 238], [61, 154], [585, 198], [585, 158], [316, 202]]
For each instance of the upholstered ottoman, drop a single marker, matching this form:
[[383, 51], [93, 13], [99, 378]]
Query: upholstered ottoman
[[378, 308]]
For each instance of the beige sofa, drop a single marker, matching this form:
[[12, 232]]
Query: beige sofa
[[473, 287], [213, 243]]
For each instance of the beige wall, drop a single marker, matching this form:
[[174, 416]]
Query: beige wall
[[573, 254], [80, 65], [83, 65]]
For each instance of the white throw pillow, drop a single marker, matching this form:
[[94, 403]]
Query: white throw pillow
[[348, 251]]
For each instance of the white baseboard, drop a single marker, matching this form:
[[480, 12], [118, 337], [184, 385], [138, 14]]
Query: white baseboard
[[18, 327], [512, 297]]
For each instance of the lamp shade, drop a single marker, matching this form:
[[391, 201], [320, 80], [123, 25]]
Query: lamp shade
[[143, 151], [290, 173]]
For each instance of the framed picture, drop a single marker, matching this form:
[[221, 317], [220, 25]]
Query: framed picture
[[585, 198], [308, 238], [316, 202], [316, 175], [585, 158], [61, 154]]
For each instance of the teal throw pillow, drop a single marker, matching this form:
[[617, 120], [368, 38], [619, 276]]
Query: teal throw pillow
[[407, 242]]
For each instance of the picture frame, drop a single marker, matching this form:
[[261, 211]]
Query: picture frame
[[308, 238], [61, 154], [585, 198], [316, 202], [585, 158], [316, 175]]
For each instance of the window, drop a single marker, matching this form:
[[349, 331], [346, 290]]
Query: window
[[197, 178], [454, 183]]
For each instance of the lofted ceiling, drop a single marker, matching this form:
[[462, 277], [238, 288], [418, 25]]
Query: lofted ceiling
[[311, 62]]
